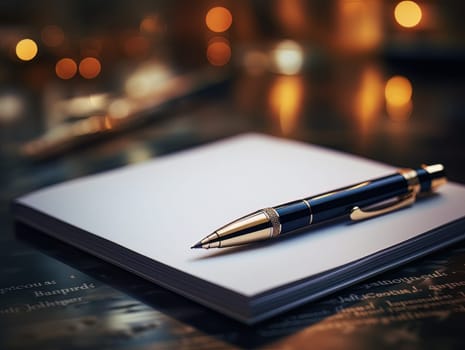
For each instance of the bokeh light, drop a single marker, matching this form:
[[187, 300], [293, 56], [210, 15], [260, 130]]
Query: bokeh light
[[26, 49], [368, 101], [52, 36], [218, 51], [288, 57], [398, 91], [399, 113], [286, 99], [408, 14], [11, 107], [218, 19], [66, 68], [359, 24], [89, 67], [150, 24]]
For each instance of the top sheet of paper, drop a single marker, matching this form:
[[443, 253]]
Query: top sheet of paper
[[161, 207]]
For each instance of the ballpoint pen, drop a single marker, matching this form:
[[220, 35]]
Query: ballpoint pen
[[356, 202]]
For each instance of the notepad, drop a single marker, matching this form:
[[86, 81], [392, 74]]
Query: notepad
[[145, 217]]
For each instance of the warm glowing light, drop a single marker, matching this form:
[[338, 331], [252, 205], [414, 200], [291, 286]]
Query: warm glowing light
[[288, 57], [108, 122], [286, 97], [89, 67], [399, 113], [359, 24], [66, 68], [53, 36], [408, 14], [26, 49], [218, 19], [398, 91], [150, 24], [292, 15], [218, 52], [369, 97]]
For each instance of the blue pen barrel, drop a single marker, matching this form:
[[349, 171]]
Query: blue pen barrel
[[293, 215], [339, 203]]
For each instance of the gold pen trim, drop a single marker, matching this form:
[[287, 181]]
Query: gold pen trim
[[358, 214], [435, 168], [403, 201], [411, 177], [273, 216]]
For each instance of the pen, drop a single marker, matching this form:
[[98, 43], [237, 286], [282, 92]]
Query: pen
[[356, 202]]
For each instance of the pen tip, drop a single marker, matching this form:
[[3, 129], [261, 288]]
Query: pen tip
[[197, 245]]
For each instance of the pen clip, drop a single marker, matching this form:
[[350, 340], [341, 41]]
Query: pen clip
[[358, 214]]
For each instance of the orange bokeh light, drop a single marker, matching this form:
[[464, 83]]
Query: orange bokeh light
[[66, 68], [151, 24], [408, 13], [26, 49], [286, 98], [398, 91], [89, 67], [218, 19], [369, 97], [218, 52]]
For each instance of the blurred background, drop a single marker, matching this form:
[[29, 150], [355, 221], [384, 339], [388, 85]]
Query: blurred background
[[87, 86]]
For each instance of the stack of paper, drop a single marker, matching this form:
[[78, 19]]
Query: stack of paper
[[144, 218]]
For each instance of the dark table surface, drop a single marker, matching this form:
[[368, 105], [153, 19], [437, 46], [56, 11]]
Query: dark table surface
[[53, 296]]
